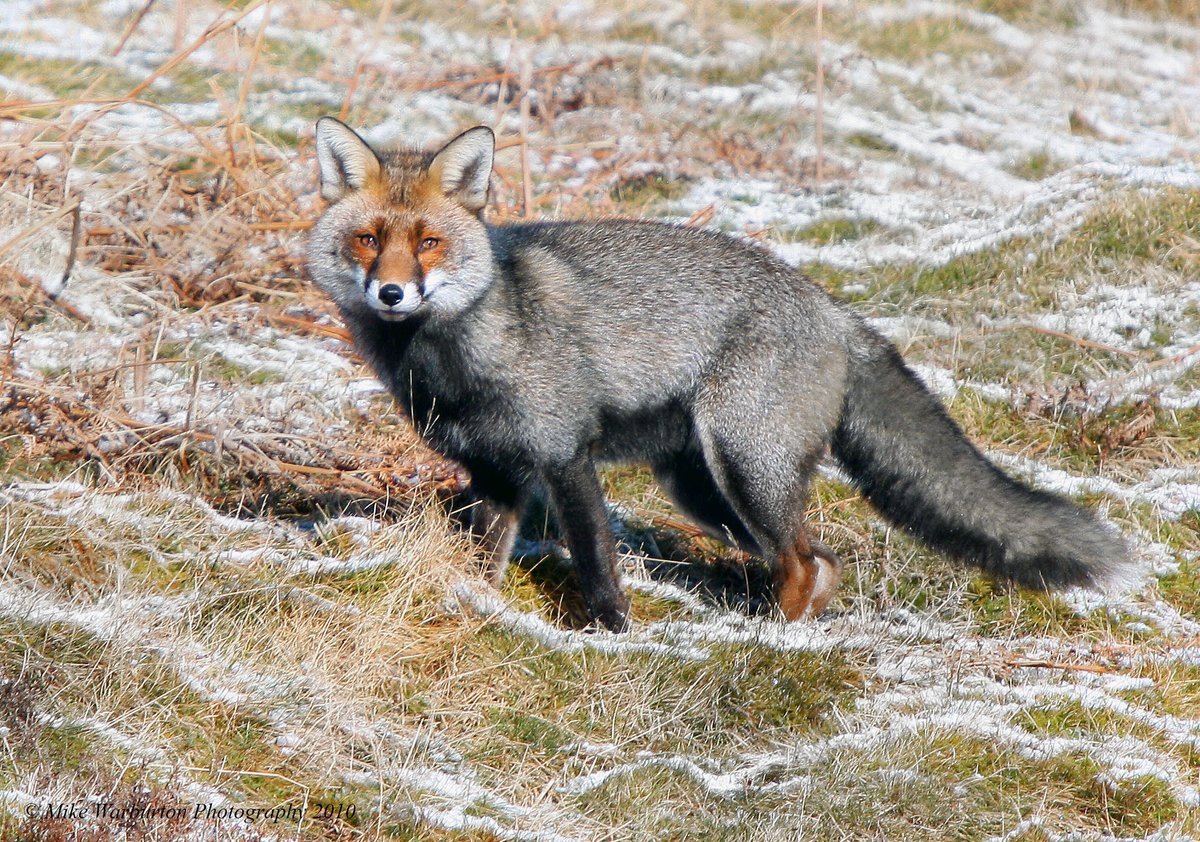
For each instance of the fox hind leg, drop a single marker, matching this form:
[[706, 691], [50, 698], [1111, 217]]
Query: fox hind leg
[[687, 481], [828, 579], [765, 480], [494, 528], [806, 578]]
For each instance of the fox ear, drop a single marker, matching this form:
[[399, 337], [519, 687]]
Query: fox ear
[[346, 162], [463, 167]]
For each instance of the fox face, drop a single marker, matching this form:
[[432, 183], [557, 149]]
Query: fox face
[[403, 235]]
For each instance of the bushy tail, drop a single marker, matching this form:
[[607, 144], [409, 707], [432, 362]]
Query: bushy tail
[[915, 465]]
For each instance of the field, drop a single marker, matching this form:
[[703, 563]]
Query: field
[[233, 606]]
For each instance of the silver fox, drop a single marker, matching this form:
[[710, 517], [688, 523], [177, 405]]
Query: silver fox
[[529, 352]]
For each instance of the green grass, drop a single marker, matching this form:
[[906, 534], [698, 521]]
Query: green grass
[[1182, 589], [1185, 10], [904, 794], [752, 71], [1122, 238], [914, 40], [67, 79], [643, 193], [1035, 167], [828, 232], [719, 702], [870, 142], [1061, 14], [295, 54]]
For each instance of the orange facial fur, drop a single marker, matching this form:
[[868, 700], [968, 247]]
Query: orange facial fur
[[398, 251], [429, 247], [364, 247]]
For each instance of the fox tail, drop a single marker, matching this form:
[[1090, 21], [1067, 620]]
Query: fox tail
[[914, 464]]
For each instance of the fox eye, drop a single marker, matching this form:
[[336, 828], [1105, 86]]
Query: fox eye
[[370, 241], [429, 243]]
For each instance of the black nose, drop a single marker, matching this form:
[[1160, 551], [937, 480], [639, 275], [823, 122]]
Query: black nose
[[391, 294]]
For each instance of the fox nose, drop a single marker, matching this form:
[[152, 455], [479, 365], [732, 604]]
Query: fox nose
[[391, 294]]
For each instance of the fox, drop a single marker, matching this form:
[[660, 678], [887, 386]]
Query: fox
[[530, 352]]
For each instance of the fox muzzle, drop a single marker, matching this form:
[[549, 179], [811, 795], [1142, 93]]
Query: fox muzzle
[[393, 301], [391, 294]]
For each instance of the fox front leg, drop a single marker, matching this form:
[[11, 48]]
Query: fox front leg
[[494, 528], [491, 516], [577, 496]]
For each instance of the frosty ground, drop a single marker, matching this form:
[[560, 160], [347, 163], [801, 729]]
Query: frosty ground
[[226, 573]]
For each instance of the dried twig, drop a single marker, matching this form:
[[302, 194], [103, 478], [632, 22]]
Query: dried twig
[[526, 174], [703, 216], [73, 249], [214, 29], [1080, 341], [133, 25], [1042, 663], [820, 115], [38, 226], [181, 19]]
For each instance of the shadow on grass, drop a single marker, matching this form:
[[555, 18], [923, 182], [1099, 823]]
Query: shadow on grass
[[717, 575]]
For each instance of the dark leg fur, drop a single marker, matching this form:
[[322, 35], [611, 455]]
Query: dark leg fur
[[578, 497], [687, 480], [491, 514]]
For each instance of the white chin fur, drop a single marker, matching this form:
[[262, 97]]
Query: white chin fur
[[409, 304], [390, 316]]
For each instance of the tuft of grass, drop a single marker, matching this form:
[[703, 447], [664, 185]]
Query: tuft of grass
[[870, 141], [913, 40], [189, 83], [1182, 589], [1035, 167], [1158, 228], [293, 53], [832, 231], [745, 73], [1064, 15], [643, 194], [1124, 237], [67, 79], [1185, 10]]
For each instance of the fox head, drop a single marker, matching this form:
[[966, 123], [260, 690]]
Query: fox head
[[403, 234]]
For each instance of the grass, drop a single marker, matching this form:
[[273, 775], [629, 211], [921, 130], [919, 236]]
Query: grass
[[917, 39], [871, 142], [1064, 15], [67, 79], [1123, 237], [1185, 10], [832, 231], [1035, 167], [648, 193]]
